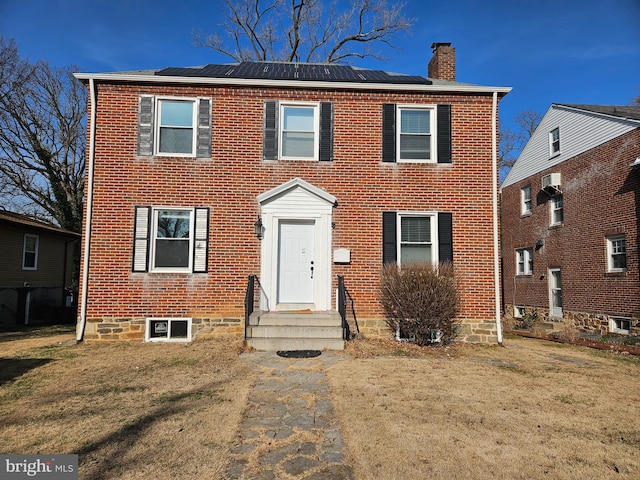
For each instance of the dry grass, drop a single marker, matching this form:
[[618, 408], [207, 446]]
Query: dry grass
[[532, 410], [157, 411]]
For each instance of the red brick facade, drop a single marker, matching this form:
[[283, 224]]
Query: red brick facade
[[600, 192], [118, 300]]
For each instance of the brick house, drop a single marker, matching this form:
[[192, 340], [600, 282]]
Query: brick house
[[570, 221], [36, 271], [202, 181]]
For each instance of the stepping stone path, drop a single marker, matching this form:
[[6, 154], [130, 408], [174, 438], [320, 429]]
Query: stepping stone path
[[289, 430]]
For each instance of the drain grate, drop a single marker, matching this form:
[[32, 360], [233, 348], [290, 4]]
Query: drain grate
[[298, 353]]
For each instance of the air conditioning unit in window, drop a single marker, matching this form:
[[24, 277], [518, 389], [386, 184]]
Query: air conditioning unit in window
[[551, 182]]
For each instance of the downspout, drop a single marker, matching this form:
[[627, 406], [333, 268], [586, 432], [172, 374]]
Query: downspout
[[496, 251], [87, 221]]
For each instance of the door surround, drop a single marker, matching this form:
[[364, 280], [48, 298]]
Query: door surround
[[296, 200]]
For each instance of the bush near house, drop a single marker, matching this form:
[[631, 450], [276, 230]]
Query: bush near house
[[421, 301]]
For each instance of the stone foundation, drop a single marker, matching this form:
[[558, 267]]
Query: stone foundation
[[133, 329], [537, 318]]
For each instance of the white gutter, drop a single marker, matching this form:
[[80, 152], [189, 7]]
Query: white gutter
[[88, 195], [494, 178], [258, 82]]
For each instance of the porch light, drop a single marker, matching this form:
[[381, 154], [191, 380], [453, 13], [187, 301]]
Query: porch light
[[257, 228]]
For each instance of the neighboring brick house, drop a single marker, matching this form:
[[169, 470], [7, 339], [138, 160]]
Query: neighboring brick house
[[298, 173], [36, 271], [570, 221]]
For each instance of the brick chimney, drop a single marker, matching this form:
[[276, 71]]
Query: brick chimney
[[443, 62]]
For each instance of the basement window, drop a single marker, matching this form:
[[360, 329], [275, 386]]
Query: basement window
[[518, 312], [168, 330], [620, 325]]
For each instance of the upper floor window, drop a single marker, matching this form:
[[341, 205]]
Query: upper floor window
[[524, 261], [298, 131], [616, 254], [554, 141], [557, 210], [416, 133], [170, 126], [415, 136], [525, 200], [30, 252]]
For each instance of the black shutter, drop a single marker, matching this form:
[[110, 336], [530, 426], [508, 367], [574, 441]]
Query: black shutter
[[445, 237], [141, 233], [270, 141], [444, 133], [389, 238], [145, 125], [388, 132], [326, 132], [201, 240], [203, 141]]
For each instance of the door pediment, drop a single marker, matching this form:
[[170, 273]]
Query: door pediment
[[297, 187]]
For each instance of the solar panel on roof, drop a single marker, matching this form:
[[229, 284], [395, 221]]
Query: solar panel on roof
[[294, 71]]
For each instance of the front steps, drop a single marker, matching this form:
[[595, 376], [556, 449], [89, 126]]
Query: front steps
[[274, 331]]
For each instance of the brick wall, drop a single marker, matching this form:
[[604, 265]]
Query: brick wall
[[601, 195], [230, 181]]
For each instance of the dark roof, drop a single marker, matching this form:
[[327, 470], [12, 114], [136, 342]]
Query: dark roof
[[16, 218], [294, 71], [622, 111]]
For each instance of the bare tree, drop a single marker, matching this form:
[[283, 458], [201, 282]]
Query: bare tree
[[307, 30], [512, 142], [42, 139]]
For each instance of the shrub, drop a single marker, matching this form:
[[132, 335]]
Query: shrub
[[421, 301]]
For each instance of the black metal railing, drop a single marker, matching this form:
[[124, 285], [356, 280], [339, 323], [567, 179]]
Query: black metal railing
[[344, 300], [249, 301]]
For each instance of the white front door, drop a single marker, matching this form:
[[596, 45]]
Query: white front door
[[555, 292], [296, 261]]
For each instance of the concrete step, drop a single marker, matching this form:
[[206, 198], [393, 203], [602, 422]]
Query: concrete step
[[317, 319], [289, 344], [294, 331]]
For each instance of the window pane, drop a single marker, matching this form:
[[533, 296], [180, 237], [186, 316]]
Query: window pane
[[176, 113], [297, 145], [29, 259], [179, 329], [415, 253], [176, 140], [172, 253], [30, 244], [173, 224], [414, 121], [416, 229], [298, 118], [159, 328], [416, 147]]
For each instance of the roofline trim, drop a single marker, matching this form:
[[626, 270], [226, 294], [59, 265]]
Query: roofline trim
[[251, 82], [593, 112]]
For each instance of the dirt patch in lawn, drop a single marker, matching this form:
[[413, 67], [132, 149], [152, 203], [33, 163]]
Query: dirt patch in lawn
[[129, 410], [531, 410]]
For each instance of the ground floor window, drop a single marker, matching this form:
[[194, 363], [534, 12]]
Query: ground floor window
[[168, 330], [620, 325]]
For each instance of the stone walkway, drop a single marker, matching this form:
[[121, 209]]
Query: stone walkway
[[289, 430]]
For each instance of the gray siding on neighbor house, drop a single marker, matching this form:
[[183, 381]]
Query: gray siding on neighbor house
[[580, 131]]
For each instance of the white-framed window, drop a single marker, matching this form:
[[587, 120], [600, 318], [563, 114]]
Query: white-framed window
[[557, 210], [518, 312], [554, 142], [416, 136], [616, 253], [524, 261], [168, 330], [620, 325], [172, 240], [525, 200], [417, 238], [30, 252], [176, 126], [299, 131]]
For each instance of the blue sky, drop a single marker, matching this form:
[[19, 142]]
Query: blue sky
[[562, 51]]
